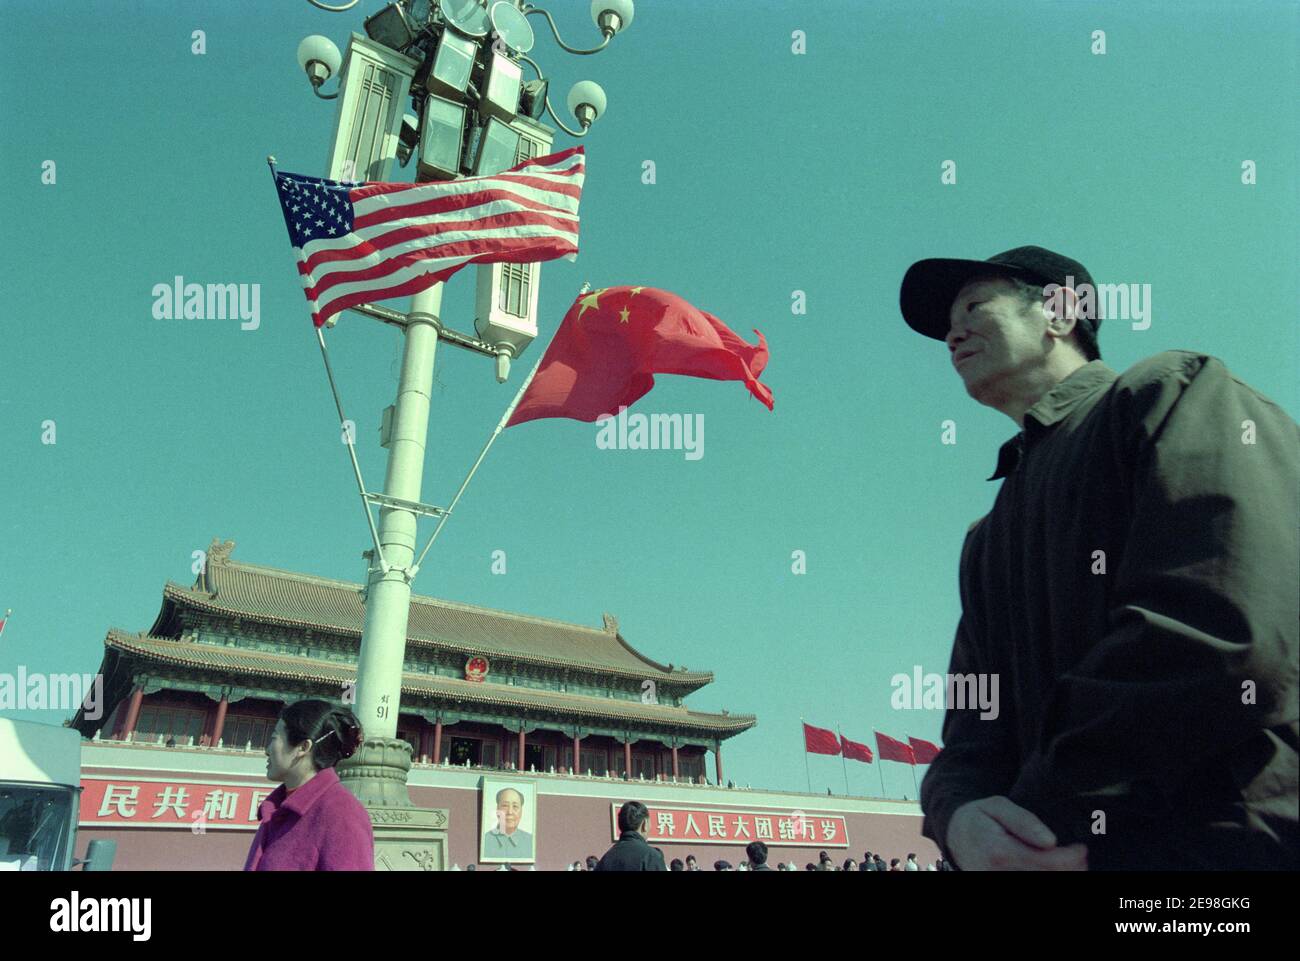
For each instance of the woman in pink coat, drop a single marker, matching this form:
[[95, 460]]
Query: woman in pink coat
[[311, 822]]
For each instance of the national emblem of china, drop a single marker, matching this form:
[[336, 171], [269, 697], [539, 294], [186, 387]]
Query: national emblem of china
[[476, 669]]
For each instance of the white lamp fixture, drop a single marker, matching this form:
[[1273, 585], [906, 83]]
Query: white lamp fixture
[[611, 16], [319, 57], [587, 100]]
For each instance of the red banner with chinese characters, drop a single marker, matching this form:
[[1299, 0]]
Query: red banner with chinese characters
[[681, 825], [198, 805]]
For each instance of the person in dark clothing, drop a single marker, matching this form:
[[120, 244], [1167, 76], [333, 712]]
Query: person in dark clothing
[[677, 865], [592, 860], [756, 851], [631, 852], [1132, 591]]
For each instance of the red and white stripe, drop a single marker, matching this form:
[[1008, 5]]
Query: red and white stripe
[[407, 237]]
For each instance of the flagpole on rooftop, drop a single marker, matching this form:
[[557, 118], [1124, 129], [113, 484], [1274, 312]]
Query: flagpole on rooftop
[[806, 769], [843, 759], [916, 787]]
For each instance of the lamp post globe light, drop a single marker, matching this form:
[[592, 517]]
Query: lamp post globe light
[[611, 16], [321, 59], [587, 101], [459, 65]]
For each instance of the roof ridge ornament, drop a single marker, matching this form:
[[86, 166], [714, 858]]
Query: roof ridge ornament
[[219, 552], [611, 623]]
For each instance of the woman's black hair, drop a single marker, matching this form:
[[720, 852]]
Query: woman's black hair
[[334, 732]]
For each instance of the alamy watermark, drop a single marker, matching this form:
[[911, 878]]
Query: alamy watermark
[[182, 301], [75, 914], [919, 691], [34, 691], [1122, 301], [626, 431]]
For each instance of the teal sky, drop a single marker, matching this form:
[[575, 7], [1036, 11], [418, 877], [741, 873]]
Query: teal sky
[[776, 172]]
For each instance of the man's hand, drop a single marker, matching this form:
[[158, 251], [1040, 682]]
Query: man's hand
[[994, 834]]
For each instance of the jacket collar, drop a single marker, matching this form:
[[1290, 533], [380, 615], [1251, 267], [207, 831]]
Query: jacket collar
[[301, 800], [1051, 408]]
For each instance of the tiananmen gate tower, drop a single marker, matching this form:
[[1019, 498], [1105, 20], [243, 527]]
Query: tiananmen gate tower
[[573, 718]]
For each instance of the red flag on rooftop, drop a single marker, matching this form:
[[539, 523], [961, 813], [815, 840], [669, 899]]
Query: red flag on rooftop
[[818, 740], [923, 751], [855, 751], [893, 750], [614, 340]]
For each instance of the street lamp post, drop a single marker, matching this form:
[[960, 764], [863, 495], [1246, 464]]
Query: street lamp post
[[403, 56]]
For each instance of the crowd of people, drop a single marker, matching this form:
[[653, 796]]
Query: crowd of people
[[756, 854], [631, 852]]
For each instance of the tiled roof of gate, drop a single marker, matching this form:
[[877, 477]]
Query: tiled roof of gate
[[245, 662], [302, 600]]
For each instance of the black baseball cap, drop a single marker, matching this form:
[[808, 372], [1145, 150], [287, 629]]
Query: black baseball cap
[[930, 286]]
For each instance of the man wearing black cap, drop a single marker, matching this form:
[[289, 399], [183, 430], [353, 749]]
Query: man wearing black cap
[[1134, 588]]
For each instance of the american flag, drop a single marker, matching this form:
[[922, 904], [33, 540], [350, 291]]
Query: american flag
[[361, 242]]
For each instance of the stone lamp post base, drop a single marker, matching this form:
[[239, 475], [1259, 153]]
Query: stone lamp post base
[[407, 838]]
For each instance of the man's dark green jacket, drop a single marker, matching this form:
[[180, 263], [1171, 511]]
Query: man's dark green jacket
[[1135, 590]]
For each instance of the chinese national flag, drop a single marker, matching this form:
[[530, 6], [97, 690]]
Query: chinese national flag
[[614, 340], [892, 750], [923, 751], [818, 740], [855, 751]]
